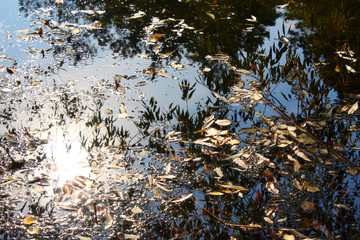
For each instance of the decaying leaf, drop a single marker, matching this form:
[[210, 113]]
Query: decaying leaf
[[307, 205], [181, 198]]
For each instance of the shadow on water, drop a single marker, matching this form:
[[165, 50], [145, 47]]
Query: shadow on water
[[180, 120]]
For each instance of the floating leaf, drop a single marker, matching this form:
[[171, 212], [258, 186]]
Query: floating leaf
[[181, 198], [252, 19], [136, 210], [166, 55], [234, 187], [350, 69], [131, 236], [342, 206], [28, 220], [353, 108], [352, 171], [223, 122], [137, 15], [164, 177], [267, 219], [123, 113], [297, 184], [310, 188], [216, 193], [307, 205], [211, 15], [176, 65], [219, 172], [271, 188], [288, 236], [33, 230]]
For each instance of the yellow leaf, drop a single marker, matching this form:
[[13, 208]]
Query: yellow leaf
[[234, 187], [288, 237], [28, 220], [35, 83], [216, 193], [136, 209], [352, 171], [211, 15]]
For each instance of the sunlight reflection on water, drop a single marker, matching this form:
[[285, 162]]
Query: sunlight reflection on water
[[70, 158]]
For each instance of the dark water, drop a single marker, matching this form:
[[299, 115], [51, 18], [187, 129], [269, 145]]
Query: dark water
[[179, 120]]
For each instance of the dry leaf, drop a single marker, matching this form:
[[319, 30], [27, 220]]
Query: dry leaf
[[166, 55], [33, 230], [352, 171], [123, 113], [353, 108], [271, 188], [136, 210], [234, 187], [176, 65], [181, 198], [288, 237], [210, 15], [223, 122], [310, 188], [28, 220], [216, 193]]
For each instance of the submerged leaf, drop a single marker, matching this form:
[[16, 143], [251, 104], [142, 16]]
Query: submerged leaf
[[307, 205]]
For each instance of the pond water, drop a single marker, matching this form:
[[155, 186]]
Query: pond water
[[179, 120]]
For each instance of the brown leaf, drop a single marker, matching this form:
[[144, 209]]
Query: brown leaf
[[310, 188], [307, 205], [297, 184], [268, 174]]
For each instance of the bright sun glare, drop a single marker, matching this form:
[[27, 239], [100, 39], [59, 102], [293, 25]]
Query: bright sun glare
[[70, 158]]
